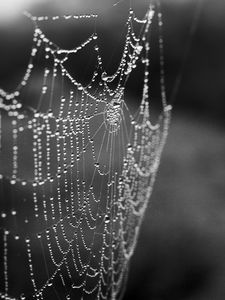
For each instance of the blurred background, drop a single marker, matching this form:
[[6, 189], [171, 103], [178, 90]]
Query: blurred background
[[181, 248]]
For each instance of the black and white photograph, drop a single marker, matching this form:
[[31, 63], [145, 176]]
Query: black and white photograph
[[112, 149]]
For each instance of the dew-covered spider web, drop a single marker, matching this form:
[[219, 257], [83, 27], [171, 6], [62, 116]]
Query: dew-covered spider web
[[77, 169]]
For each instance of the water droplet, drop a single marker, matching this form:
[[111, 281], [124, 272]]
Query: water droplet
[[139, 49], [13, 181], [104, 76], [49, 283], [3, 215], [13, 212], [107, 219], [116, 104]]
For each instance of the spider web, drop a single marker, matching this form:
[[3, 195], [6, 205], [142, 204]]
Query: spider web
[[78, 170]]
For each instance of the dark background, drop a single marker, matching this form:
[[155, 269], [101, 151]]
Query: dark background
[[181, 249]]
